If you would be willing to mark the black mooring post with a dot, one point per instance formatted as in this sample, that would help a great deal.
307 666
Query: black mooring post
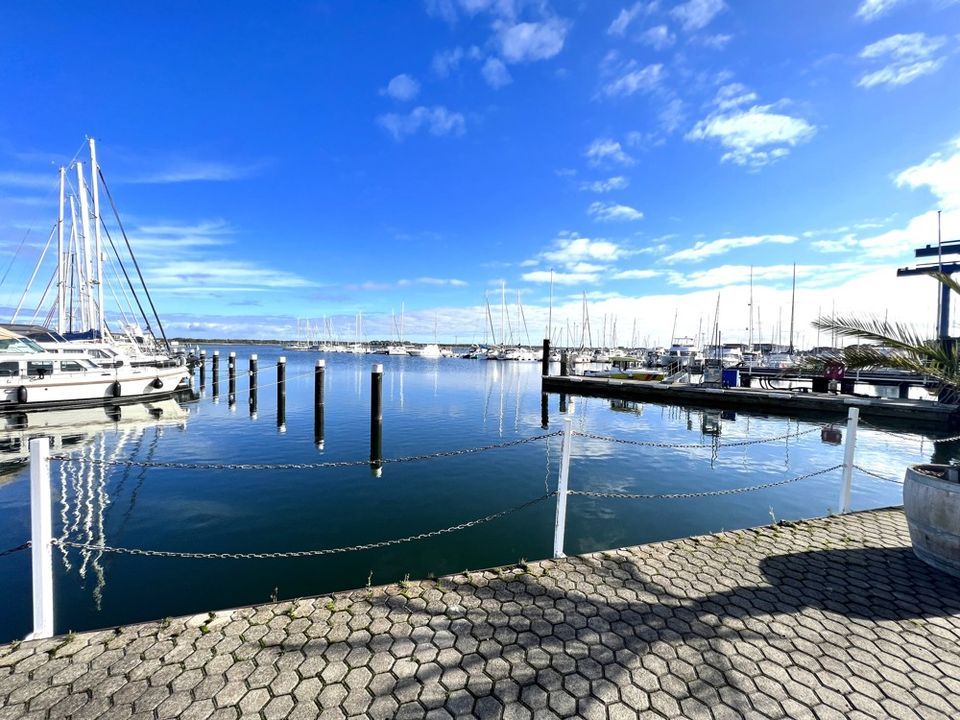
203 368
282 394
318 374
563 403
376 419
544 411
215 371
232 378
545 361
564 363
253 385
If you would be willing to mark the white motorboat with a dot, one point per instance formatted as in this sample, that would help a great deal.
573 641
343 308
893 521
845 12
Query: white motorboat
683 353
33 377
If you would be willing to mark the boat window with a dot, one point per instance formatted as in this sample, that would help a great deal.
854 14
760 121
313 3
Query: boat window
39 369
9 369
71 366
18 345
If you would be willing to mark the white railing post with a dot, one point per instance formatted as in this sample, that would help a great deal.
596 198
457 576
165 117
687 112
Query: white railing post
561 519
41 535
853 418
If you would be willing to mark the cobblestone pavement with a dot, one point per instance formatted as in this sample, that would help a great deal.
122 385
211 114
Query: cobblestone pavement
831 618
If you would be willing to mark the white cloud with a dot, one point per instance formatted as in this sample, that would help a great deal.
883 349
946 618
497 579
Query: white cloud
940 173
847 242
530 41
496 73
437 121
635 274
716 42
560 278
658 37
402 87
32 181
671 116
697 14
605 150
612 212
733 96
754 137
447 62
872 9
449 282
628 15
726 275
644 79
569 251
909 56
618 182
703 249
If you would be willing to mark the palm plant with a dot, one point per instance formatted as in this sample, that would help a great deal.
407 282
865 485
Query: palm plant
893 345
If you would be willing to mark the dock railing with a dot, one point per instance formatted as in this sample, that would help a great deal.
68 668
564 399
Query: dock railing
42 541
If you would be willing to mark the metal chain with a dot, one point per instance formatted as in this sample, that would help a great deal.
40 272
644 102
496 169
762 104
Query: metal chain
298 553
947 439
740 443
900 435
877 476
16 549
708 493
309 466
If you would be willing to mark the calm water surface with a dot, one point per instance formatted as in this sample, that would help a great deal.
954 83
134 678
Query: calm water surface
429 406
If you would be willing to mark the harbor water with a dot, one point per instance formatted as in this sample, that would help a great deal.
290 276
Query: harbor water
431 407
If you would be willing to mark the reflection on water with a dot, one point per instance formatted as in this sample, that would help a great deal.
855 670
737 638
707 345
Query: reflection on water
429 406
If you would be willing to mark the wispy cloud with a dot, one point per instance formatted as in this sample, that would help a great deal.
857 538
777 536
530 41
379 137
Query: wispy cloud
612 212
179 171
572 249
635 274
561 278
30 181
703 249
635 80
628 15
752 137
495 73
618 182
531 41
908 57
697 14
658 37
939 173
447 62
224 276
607 151
402 87
436 120
872 9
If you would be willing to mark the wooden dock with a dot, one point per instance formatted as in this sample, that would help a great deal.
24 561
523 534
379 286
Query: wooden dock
929 414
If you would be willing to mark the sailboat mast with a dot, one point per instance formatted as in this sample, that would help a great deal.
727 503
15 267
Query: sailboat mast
793 304
750 323
549 333
61 259
86 303
503 312
96 233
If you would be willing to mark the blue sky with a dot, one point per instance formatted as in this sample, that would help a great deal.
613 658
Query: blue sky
315 160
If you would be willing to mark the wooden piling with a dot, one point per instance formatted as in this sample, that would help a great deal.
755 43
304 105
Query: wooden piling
282 394
203 368
544 411
318 376
376 418
564 363
215 371
232 378
253 385
545 361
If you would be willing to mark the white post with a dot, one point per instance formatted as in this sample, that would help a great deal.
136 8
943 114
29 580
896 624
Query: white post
848 450
561 519
42 530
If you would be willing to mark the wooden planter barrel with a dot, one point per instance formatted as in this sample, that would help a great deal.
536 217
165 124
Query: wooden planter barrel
931 502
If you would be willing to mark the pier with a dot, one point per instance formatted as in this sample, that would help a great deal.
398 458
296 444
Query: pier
826 618
786 403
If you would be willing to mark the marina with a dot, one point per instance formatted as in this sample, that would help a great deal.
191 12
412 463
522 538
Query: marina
228 477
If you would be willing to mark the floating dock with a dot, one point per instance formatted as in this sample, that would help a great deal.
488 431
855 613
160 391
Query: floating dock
829 618
930 414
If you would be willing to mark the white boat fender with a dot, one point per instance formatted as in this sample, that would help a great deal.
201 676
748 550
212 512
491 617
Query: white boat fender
157 383
22 394
116 389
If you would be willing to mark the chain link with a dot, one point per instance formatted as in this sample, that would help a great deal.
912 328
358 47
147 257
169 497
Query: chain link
16 549
309 466
706 493
694 446
297 553
878 476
